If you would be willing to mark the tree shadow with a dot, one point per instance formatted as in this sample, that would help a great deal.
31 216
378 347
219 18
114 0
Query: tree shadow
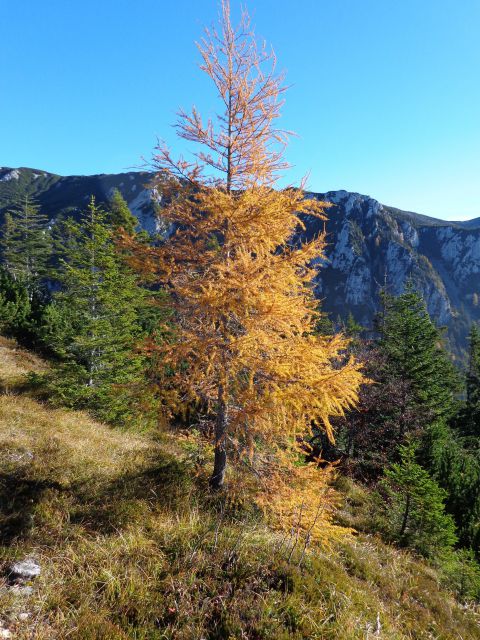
97 504
163 484
19 496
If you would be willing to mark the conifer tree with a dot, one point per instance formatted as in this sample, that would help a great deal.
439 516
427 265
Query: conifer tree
471 421
368 436
15 305
26 244
119 215
324 325
461 479
352 327
6 241
413 346
100 300
416 507
245 310
461 463
414 394
415 354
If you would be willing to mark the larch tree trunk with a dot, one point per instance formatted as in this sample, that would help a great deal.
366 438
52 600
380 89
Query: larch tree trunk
221 423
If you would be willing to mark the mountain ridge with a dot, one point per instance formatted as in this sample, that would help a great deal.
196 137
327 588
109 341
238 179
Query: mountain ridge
370 245
427 219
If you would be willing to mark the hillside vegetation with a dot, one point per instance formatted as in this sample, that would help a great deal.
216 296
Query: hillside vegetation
204 454
131 546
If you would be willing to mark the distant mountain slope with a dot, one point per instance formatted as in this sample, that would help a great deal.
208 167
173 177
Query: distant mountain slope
370 244
373 245
67 194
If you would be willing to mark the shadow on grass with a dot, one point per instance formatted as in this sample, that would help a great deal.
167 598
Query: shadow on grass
100 505
32 385
19 497
163 483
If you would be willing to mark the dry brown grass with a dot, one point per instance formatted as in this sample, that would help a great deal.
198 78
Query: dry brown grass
85 443
15 361
130 548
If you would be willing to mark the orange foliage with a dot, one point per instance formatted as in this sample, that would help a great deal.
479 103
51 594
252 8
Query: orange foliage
301 501
244 343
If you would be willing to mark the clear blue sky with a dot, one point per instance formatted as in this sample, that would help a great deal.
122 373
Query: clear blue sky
385 94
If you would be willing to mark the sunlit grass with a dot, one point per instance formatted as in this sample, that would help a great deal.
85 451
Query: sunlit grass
130 547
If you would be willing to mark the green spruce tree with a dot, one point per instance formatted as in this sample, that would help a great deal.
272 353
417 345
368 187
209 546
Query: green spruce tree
15 305
97 319
416 357
26 246
462 455
461 478
353 329
7 241
470 425
415 506
414 348
119 215
25 255
415 353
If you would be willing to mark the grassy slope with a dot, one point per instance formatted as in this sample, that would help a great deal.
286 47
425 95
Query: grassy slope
129 548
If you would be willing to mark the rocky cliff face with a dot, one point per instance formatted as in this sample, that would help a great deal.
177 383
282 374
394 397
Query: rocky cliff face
370 245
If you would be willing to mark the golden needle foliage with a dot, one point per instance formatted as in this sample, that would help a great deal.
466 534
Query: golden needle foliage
244 343
300 501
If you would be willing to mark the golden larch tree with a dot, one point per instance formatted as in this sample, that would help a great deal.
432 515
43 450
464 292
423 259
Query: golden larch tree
244 343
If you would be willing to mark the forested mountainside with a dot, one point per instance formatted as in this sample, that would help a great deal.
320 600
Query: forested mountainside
371 245
66 194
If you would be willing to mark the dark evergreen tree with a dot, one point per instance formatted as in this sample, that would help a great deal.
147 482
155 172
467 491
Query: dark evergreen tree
415 353
26 246
352 328
324 325
461 459
416 357
25 252
119 215
412 395
470 422
15 305
415 506
6 241
96 319
461 478
367 437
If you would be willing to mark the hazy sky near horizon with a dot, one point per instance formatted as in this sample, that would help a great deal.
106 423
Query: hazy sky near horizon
384 94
